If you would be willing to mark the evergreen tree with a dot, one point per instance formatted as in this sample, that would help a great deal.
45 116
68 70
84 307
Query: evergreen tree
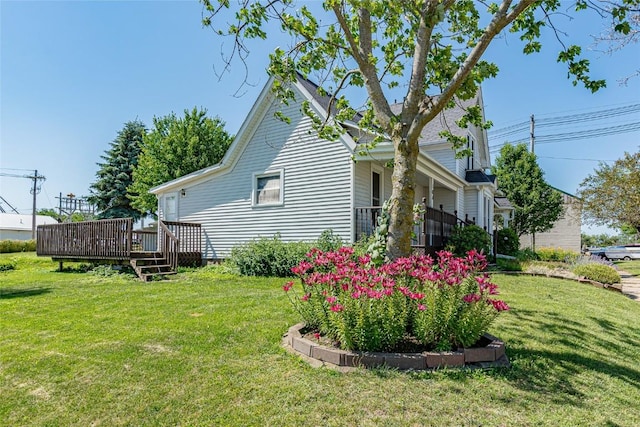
176 146
537 205
110 191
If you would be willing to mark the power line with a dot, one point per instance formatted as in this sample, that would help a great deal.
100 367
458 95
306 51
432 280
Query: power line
566 120
571 158
572 136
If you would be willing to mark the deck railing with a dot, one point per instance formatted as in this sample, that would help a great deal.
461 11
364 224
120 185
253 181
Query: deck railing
103 239
115 239
189 236
170 245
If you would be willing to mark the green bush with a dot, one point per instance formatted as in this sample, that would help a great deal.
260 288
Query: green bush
507 242
557 254
526 254
328 241
10 246
464 239
269 257
598 272
508 264
8 264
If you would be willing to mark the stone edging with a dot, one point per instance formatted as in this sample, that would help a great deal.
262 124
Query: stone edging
614 287
492 355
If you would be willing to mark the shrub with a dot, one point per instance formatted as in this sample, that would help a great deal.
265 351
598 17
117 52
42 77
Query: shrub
598 272
470 237
508 264
8 264
328 241
268 257
10 246
526 254
593 259
367 307
557 254
507 242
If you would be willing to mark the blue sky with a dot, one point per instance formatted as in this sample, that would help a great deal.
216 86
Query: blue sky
72 73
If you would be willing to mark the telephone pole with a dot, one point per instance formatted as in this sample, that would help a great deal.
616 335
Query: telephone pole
35 190
532 136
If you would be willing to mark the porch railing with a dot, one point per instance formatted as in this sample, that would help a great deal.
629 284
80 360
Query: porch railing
429 236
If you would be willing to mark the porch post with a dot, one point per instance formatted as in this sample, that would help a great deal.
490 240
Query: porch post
480 219
430 193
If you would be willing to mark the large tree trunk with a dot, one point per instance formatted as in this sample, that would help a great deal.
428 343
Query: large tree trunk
402 196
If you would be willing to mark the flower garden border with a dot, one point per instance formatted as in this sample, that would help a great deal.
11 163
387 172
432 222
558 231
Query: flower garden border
489 356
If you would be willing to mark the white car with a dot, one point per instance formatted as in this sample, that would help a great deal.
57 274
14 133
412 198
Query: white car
626 252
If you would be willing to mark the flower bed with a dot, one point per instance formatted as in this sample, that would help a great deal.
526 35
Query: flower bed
489 352
364 308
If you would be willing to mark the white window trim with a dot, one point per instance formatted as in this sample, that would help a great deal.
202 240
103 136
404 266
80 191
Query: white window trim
471 144
254 188
380 171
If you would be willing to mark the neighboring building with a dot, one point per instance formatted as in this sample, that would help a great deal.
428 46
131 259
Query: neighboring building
565 233
503 211
18 227
279 178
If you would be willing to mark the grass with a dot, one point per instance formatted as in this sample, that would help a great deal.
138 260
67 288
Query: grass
631 267
204 349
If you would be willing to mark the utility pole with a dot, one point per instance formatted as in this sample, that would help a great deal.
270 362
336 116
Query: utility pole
532 136
35 190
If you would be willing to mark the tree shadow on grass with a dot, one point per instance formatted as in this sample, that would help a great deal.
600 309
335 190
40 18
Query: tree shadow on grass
22 293
551 361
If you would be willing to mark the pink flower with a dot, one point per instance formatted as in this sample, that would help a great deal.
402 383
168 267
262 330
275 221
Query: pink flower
331 299
421 307
498 304
305 297
471 298
316 336
337 308
287 286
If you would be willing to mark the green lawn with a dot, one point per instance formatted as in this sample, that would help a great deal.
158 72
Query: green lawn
204 349
631 267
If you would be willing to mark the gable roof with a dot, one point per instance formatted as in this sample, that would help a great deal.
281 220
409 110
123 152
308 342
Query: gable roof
502 202
257 113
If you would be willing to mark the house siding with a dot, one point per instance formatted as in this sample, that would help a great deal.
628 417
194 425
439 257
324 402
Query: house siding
471 203
317 195
445 156
565 233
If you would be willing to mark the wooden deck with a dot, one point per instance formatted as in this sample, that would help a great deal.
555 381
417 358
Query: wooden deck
114 241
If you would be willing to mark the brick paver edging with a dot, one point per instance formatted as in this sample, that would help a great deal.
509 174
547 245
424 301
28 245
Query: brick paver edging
492 355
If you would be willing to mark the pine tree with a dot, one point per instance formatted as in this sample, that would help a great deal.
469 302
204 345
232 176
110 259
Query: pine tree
110 191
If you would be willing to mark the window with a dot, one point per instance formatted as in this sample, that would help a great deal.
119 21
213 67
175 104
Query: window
471 146
170 208
268 189
375 189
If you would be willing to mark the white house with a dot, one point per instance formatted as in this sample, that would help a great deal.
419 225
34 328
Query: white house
18 226
282 178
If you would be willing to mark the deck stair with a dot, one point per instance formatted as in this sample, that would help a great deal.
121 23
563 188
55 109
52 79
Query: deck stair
150 264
